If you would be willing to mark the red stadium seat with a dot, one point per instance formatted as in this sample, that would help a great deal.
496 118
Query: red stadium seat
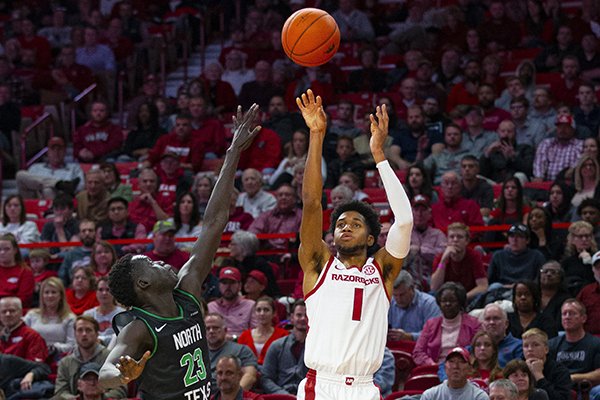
403 345
376 195
424 370
371 179
35 208
403 363
286 286
422 382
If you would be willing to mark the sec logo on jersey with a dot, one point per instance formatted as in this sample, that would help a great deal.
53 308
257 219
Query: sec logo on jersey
369 270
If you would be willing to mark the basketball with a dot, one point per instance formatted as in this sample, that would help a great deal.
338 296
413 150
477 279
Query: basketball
310 37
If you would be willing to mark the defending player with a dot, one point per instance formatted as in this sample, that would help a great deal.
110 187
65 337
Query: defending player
347 296
164 329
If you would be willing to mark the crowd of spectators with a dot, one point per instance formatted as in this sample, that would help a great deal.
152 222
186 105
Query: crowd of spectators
494 130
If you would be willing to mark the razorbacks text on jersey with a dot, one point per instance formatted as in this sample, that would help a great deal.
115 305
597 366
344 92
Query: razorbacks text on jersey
347 316
179 367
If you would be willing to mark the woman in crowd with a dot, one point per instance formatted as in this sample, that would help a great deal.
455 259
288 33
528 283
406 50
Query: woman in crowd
260 338
587 178
559 202
578 256
21 283
202 188
296 155
518 372
453 328
112 180
591 148
140 140
419 182
553 291
511 208
81 295
543 237
14 221
485 358
105 311
186 219
53 320
242 251
103 257
527 314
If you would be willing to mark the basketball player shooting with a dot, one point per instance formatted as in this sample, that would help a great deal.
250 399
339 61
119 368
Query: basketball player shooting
347 296
163 341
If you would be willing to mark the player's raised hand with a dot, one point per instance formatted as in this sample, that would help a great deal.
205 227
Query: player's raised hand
131 369
244 127
312 112
379 130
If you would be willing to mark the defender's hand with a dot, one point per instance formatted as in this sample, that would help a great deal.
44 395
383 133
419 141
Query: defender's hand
379 129
244 127
312 111
131 369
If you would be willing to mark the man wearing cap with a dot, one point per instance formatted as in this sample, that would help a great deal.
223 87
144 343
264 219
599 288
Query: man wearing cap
517 262
165 249
44 179
410 308
87 384
180 142
236 310
577 349
555 154
459 263
457 386
476 138
415 143
589 296
425 241
98 138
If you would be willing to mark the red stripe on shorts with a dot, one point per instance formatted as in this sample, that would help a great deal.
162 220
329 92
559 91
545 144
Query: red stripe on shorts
309 387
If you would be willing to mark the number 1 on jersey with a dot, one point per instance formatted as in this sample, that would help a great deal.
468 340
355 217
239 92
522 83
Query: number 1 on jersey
358 303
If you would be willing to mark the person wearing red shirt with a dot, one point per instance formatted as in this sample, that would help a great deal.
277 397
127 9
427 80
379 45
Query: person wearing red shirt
459 263
81 296
566 89
465 92
207 131
164 246
453 207
98 137
29 40
148 207
180 142
264 152
220 93
238 218
17 338
172 177
16 279
589 295
492 115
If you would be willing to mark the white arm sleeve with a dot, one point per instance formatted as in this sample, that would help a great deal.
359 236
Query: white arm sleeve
398 239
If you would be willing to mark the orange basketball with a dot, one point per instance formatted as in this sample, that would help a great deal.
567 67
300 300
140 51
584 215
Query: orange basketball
310 37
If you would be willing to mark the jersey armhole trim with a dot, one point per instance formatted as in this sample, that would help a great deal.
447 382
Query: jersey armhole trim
321 278
191 296
154 338
380 270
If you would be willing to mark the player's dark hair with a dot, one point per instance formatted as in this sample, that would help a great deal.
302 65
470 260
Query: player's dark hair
366 210
121 283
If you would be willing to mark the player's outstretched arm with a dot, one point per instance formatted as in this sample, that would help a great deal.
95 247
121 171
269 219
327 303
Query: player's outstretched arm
127 359
313 252
216 215
397 244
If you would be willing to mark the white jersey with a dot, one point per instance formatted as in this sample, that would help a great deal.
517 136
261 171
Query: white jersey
347 317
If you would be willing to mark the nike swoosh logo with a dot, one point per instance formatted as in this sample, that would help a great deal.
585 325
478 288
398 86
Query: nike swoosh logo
160 329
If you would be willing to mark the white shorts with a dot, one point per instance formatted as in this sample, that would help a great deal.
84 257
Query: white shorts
324 386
